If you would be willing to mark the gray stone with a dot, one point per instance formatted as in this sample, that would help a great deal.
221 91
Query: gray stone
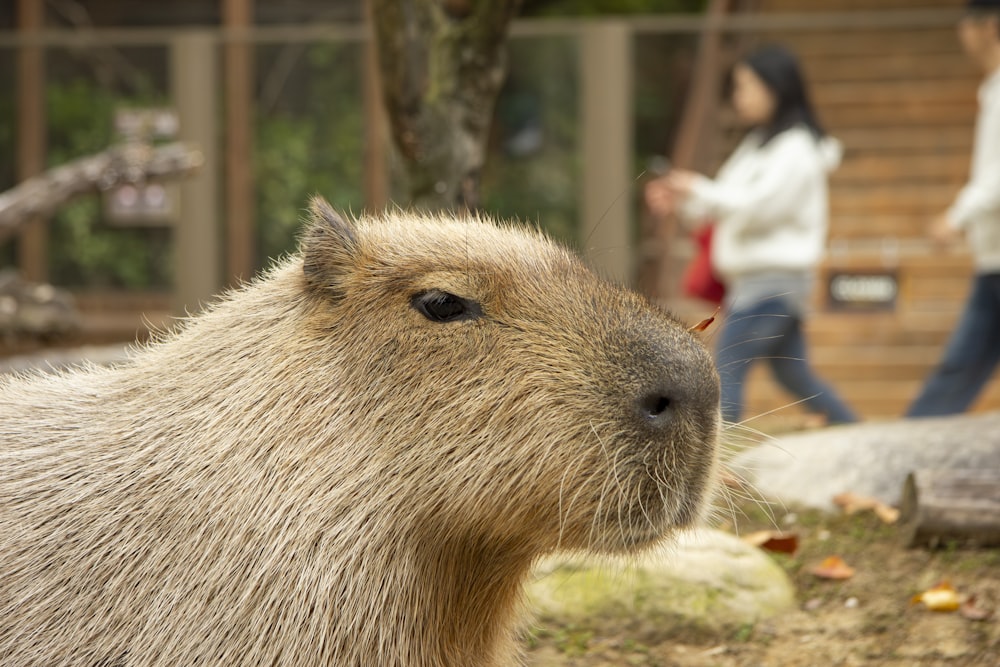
708 581
870 458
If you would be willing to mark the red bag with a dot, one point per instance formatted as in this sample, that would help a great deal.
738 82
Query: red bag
699 279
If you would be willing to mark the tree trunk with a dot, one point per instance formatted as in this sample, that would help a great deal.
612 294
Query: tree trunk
951 505
442 64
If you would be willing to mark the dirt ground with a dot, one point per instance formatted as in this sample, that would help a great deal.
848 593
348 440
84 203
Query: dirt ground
869 619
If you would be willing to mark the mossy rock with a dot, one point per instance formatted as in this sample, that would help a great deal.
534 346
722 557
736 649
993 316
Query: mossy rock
706 583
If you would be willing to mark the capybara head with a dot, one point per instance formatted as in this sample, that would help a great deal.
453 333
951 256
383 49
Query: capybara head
353 460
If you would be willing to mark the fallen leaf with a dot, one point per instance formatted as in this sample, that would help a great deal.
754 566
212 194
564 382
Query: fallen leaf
852 504
974 612
885 513
705 323
774 540
942 597
832 567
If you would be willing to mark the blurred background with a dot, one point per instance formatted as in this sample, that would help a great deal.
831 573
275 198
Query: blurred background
248 107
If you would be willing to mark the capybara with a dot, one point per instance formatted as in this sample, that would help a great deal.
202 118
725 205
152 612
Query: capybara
353 460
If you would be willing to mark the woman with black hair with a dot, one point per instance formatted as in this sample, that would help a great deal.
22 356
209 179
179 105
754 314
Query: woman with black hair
769 205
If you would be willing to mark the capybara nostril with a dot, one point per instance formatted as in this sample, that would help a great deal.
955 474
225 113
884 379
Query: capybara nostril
657 408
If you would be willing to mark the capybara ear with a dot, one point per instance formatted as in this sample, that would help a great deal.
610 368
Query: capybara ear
329 246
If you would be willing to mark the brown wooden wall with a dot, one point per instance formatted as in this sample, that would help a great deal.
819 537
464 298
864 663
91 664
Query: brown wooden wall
903 101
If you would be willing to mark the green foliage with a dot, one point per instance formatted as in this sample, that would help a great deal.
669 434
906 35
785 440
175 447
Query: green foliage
661 67
543 88
83 249
310 140
85 252
744 633
537 186
283 151
570 640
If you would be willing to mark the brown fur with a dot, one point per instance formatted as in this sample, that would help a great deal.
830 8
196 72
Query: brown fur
314 473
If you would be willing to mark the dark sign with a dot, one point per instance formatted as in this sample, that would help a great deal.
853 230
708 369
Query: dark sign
862 290
141 203
138 204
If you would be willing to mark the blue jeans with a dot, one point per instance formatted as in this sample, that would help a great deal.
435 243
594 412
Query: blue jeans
970 357
771 331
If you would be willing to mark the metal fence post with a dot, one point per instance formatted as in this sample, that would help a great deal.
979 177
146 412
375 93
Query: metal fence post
606 113
240 209
195 89
32 256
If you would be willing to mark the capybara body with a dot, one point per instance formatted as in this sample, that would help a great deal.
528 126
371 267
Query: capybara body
353 460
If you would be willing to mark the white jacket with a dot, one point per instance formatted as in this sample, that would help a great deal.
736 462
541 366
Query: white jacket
977 208
769 202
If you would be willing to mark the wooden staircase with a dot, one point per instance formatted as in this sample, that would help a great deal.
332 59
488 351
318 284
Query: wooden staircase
902 99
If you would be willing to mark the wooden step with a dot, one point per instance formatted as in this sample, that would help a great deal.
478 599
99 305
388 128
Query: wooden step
828 329
948 139
860 113
920 259
875 42
895 199
874 170
905 65
869 225
895 363
911 115
899 92
881 338
872 399
788 6
881 330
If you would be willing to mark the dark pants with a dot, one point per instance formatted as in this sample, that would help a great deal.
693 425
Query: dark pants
970 357
771 332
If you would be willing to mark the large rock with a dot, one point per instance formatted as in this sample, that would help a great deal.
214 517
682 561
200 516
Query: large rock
708 582
870 459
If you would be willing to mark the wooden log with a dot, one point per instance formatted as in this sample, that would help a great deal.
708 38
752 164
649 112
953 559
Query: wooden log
132 162
951 506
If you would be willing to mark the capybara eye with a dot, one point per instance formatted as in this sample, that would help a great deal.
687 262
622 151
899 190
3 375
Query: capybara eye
438 306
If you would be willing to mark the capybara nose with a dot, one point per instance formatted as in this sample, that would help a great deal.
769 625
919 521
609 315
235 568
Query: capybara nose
675 385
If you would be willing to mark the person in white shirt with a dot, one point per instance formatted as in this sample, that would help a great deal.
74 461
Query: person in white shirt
973 351
769 204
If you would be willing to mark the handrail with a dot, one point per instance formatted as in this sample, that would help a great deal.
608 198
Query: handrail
549 27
